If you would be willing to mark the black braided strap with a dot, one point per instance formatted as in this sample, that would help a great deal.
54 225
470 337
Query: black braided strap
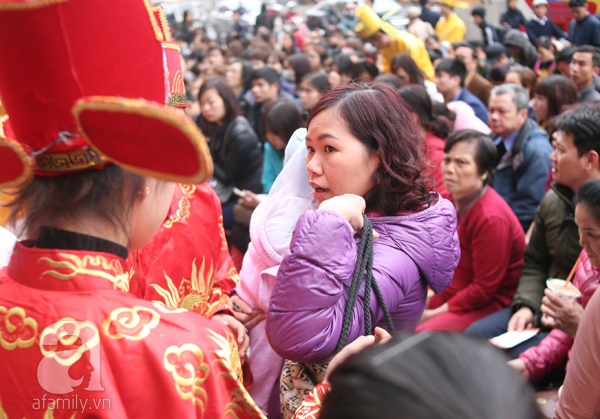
364 262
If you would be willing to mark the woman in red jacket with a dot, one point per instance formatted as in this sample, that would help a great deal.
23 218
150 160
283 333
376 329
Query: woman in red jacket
491 239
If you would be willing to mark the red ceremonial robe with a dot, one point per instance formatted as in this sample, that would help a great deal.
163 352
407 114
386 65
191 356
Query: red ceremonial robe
187 262
73 344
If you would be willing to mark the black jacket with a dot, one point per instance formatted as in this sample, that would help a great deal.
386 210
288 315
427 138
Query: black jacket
237 155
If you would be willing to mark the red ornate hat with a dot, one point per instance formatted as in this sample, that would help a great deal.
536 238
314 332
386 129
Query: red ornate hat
86 82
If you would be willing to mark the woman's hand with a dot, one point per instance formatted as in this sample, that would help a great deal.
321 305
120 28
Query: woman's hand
249 200
566 313
238 329
381 336
520 366
349 206
244 313
430 314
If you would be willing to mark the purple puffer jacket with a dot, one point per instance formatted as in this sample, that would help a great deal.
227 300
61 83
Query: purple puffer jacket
307 305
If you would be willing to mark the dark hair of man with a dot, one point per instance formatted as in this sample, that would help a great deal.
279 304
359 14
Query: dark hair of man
498 73
318 80
577 3
344 64
365 66
467 45
300 64
232 107
566 55
423 3
282 119
247 71
438 121
269 74
588 196
584 123
407 63
108 194
429 376
486 155
259 54
435 38
592 50
478 11
453 67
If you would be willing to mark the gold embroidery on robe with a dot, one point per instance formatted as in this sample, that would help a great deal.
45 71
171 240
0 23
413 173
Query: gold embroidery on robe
166 309
183 213
134 323
68 331
79 266
228 359
187 366
3 414
193 294
16 329
222 233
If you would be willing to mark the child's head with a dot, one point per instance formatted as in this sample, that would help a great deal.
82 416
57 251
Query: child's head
280 121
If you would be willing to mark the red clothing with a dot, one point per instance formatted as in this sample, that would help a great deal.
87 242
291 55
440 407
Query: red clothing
552 352
187 262
492 243
435 153
141 359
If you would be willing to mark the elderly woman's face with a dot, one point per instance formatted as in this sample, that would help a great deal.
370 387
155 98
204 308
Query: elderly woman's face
589 233
459 170
337 163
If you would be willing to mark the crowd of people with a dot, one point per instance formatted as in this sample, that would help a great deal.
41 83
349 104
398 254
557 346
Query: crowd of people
336 180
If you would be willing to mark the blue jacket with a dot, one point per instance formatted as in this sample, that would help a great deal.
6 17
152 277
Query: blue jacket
512 18
522 172
585 32
549 29
474 102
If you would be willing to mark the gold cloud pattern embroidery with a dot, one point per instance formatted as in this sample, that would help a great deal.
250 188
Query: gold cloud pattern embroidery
186 365
183 213
134 323
16 329
81 266
66 333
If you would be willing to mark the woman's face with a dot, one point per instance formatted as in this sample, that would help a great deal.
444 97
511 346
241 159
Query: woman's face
313 59
309 96
545 54
337 163
589 233
459 170
212 106
513 78
403 75
287 42
274 62
215 58
234 75
150 211
540 107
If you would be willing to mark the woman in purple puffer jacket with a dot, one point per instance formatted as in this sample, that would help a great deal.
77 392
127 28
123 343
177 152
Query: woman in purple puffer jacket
365 154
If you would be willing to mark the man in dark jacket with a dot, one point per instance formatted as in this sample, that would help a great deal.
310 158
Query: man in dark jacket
585 65
488 32
584 29
520 48
512 17
540 25
523 152
450 75
428 15
554 244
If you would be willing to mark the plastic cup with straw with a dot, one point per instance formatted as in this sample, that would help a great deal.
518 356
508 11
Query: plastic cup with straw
565 289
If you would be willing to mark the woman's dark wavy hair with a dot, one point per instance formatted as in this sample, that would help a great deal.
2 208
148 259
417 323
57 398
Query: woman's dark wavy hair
437 119
377 117
247 71
232 107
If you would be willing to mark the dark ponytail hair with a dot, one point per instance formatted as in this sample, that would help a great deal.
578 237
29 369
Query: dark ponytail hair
438 119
